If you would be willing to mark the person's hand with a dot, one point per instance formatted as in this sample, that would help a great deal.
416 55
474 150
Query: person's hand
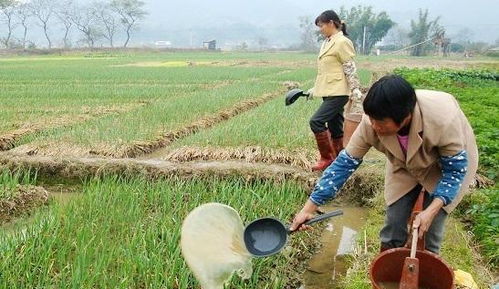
310 93
299 219
423 222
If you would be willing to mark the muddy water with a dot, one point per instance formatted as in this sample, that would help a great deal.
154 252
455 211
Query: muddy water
64 197
15 225
338 240
59 194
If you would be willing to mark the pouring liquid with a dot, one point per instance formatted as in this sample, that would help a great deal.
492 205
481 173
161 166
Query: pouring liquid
213 247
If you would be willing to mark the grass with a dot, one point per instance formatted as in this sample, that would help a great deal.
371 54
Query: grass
480 213
39 89
125 234
10 180
95 102
272 125
149 122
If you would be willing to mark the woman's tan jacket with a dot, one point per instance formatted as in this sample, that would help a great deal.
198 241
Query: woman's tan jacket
438 128
331 79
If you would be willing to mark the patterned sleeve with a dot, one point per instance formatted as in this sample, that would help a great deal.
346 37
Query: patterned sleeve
334 177
454 170
350 70
353 110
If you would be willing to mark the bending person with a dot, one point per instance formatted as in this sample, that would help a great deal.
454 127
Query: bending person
428 143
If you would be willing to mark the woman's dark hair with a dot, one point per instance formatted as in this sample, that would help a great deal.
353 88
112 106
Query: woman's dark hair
330 15
390 97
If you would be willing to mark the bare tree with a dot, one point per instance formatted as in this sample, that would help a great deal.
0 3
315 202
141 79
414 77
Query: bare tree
8 11
262 42
85 19
108 19
130 12
64 15
308 36
43 11
23 14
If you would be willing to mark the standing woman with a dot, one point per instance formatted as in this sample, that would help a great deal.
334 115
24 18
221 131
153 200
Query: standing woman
337 83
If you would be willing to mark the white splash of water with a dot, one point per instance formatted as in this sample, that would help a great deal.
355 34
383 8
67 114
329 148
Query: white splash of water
213 247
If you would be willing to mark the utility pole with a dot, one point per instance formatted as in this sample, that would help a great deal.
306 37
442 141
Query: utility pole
364 41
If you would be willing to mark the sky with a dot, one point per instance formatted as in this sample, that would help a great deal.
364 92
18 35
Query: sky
277 20
188 23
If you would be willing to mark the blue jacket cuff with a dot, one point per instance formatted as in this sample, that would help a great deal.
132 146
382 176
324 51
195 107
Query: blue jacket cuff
334 177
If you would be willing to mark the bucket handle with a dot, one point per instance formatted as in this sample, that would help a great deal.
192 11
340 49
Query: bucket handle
414 242
418 207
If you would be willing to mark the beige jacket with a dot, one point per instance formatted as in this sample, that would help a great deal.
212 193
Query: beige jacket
438 128
330 79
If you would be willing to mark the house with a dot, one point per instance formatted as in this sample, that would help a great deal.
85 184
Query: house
210 45
162 44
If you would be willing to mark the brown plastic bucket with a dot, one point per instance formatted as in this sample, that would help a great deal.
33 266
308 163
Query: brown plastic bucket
434 273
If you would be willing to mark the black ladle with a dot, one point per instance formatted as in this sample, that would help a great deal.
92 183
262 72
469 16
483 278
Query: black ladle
268 236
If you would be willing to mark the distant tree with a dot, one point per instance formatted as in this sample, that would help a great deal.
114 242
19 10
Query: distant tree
109 21
397 37
8 10
43 11
422 32
130 13
365 27
456 48
243 46
308 34
262 42
23 14
442 43
85 20
477 47
64 14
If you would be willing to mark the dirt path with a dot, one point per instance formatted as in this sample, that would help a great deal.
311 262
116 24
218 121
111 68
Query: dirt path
302 159
81 168
386 65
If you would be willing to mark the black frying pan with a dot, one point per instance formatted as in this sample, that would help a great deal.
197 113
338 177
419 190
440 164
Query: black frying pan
268 236
293 95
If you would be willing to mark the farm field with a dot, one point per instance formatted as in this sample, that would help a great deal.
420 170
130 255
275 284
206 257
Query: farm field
126 134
